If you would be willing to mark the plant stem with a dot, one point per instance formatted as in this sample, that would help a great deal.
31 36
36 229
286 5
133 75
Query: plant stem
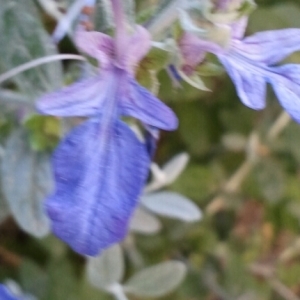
233 184
165 18
117 291
38 62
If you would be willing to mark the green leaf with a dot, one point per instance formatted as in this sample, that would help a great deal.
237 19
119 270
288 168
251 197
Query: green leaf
157 59
22 39
156 281
26 180
233 12
209 69
106 269
44 132
104 20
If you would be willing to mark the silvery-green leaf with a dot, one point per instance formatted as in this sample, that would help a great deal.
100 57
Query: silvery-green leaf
103 16
172 205
144 222
208 69
129 8
26 180
107 269
188 24
12 96
164 17
174 167
145 14
233 13
194 80
22 39
156 281
51 7
104 19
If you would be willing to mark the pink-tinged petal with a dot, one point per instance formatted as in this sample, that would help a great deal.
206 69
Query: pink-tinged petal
270 47
97 45
222 4
238 28
138 46
100 170
83 98
251 87
192 53
139 103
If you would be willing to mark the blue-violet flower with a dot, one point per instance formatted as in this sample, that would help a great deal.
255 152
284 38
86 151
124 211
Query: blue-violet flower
251 63
100 167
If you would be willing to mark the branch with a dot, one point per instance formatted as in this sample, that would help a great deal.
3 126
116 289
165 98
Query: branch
253 152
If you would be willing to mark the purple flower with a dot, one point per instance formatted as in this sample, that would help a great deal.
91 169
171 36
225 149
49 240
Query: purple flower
251 63
100 167
5 294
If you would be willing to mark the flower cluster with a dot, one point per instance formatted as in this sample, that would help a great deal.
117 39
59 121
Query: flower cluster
101 166
251 62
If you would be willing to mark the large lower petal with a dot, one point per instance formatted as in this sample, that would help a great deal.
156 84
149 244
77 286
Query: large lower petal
100 171
270 47
83 98
250 86
139 103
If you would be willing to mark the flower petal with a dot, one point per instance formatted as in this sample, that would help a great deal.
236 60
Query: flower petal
287 88
251 87
98 182
138 46
238 28
270 47
289 71
194 48
139 103
96 44
5 294
83 98
192 53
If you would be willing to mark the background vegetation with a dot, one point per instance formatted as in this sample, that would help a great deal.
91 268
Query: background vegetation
244 174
